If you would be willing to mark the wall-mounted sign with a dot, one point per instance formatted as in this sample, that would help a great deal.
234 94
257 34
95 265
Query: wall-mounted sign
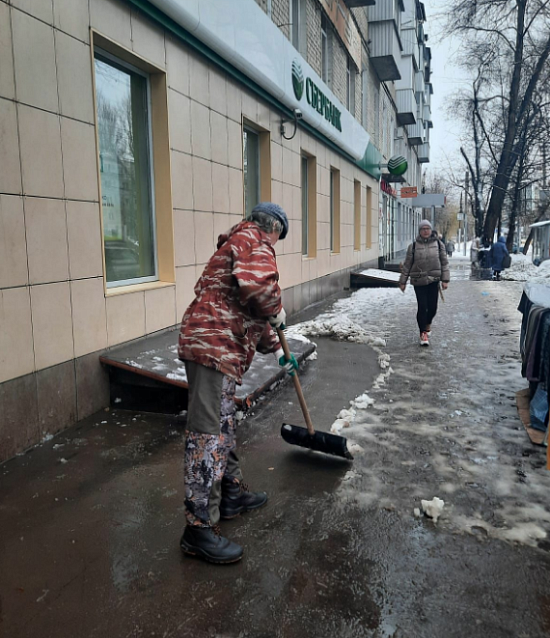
314 96
256 47
297 79
397 165
386 188
408 191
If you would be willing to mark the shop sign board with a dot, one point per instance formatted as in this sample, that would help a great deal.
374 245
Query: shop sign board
408 191
276 66
386 188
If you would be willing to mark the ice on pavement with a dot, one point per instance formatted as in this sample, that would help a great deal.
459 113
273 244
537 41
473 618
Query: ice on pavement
351 320
472 459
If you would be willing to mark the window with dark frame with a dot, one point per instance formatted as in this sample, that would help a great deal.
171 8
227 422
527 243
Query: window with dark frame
295 24
251 169
305 207
353 76
324 49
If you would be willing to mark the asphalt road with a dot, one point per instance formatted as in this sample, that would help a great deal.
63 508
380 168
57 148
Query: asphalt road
90 528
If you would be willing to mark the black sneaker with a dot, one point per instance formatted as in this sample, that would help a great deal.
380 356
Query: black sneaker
208 543
237 499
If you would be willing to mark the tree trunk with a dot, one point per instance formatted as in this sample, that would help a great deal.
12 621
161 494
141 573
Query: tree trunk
506 161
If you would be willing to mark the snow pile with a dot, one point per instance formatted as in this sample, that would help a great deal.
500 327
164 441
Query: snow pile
522 269
346 417
433 508
340 327
362 402
346 319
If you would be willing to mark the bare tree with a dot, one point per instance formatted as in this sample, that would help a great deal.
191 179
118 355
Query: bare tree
516 36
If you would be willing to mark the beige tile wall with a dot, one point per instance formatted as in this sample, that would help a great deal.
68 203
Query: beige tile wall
53 303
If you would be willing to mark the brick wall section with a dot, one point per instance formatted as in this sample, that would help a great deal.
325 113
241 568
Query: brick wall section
361 21
280 14
313 13
372 83
338 70
358 106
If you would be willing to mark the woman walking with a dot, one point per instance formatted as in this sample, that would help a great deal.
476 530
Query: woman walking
498 253
427 265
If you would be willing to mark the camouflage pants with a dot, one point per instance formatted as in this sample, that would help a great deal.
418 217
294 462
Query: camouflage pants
210 443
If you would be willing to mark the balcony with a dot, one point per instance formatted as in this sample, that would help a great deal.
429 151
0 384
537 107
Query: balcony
406 107
385 10
407 73
408 39
427 115
420 85
385 50
424 153
351 4
416 134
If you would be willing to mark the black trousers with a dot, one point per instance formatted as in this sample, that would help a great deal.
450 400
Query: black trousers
426 296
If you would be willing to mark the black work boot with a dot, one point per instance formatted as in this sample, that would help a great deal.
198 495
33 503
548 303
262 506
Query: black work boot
236 498
208 543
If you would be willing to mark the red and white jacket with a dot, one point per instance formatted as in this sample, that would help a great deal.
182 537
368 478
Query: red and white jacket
236 293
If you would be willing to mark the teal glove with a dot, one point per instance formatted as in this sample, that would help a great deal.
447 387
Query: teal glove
290 366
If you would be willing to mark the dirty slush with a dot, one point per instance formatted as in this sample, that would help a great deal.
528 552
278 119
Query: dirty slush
90 520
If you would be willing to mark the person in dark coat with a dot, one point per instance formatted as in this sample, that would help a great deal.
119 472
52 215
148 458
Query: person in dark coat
498 251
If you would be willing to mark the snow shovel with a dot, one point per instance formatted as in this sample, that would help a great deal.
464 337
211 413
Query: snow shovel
309 438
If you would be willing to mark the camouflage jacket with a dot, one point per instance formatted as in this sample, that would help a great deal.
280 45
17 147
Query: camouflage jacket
236 293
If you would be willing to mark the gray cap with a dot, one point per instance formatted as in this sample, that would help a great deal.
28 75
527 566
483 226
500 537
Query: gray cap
423 223
269 208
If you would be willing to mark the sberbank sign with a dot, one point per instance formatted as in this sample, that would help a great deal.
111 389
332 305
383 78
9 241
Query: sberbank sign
314 96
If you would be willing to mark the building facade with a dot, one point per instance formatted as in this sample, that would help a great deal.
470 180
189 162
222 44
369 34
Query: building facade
134 132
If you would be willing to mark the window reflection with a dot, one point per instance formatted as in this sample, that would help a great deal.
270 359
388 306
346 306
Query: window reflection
125 170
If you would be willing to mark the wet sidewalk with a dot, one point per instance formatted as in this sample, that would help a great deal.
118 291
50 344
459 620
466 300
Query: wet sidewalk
91 519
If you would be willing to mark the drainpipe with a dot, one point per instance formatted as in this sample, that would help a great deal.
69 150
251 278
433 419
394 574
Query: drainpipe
269 8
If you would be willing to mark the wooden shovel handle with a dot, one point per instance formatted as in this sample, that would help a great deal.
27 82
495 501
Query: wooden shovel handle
297 385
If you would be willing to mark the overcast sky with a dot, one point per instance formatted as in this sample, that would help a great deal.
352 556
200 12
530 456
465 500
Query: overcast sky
446 78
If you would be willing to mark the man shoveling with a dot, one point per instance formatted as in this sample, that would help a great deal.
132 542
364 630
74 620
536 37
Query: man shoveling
237 305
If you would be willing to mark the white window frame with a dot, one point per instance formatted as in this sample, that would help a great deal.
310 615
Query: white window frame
297 21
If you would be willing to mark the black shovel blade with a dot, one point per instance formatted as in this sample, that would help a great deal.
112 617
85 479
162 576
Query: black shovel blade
318 442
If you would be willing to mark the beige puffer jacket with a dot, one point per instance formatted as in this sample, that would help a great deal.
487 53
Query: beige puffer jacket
428 264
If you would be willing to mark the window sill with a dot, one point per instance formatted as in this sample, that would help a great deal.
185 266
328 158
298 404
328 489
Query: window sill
124 290
308 258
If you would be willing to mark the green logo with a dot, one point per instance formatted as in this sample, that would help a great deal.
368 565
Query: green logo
397 165
297 79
